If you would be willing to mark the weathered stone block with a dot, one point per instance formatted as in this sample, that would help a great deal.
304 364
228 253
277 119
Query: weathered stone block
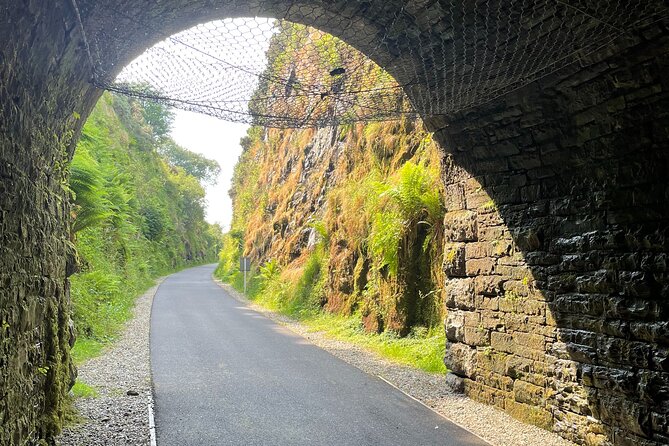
619 380
527 239
454 260
459 293
479 266
502 342
492 233
655 332
495 380
625 413
487 303
461 359
528 393
578 303
634 308
489 359
529 414
472 318
460 226
486 394
455 383
623 352
478 250
454 324
598 282
532 341
477 336
454 197
653 387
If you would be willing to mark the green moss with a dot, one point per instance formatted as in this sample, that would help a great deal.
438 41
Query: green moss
489 206
83 390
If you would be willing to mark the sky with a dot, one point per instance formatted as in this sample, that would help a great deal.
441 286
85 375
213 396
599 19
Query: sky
217 140
201 58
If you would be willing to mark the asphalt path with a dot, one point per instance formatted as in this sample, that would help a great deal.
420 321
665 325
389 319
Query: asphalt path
225 375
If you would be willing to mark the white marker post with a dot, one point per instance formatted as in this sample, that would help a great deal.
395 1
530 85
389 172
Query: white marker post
245 265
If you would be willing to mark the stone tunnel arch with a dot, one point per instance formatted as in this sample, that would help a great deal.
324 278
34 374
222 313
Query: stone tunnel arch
557 192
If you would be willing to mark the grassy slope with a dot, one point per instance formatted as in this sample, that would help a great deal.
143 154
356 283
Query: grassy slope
122 253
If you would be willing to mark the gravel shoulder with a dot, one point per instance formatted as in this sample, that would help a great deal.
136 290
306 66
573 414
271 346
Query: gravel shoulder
489 423
122 378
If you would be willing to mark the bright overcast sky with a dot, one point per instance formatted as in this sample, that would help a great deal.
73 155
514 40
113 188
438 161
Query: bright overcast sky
204 56
217 140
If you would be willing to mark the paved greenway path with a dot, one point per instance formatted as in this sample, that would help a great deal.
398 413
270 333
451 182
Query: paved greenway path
225 375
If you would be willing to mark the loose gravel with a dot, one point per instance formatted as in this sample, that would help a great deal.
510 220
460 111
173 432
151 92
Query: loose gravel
489 423
122 378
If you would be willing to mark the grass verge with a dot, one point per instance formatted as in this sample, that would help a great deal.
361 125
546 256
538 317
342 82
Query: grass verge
423 349
83 390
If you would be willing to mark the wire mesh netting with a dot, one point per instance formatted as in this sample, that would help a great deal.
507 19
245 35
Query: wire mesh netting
454 55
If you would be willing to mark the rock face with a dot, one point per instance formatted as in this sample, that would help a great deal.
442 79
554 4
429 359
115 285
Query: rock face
312 200
557 197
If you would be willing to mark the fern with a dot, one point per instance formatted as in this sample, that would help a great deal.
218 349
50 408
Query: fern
86 183
384 241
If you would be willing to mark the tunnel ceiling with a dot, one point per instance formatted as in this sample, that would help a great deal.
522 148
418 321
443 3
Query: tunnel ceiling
470 52
454 55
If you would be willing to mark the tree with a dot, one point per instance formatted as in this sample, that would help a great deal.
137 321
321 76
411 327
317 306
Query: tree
204 169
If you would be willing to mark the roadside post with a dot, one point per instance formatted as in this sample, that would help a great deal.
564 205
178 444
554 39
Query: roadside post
245 265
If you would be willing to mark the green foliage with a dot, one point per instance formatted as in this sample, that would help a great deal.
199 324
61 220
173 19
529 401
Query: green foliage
85 349
136 218
154 222
416 192
194 164
83 390
154 116
322 230
158 116
269 271
90 205
229 255
384 240
423 349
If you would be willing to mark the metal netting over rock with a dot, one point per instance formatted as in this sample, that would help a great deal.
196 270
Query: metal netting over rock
451 56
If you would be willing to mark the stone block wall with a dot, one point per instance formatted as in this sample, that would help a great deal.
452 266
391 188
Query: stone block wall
557 242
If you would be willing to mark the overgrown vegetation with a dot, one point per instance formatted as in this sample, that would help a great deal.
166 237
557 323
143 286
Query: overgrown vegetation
344 226
138 214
